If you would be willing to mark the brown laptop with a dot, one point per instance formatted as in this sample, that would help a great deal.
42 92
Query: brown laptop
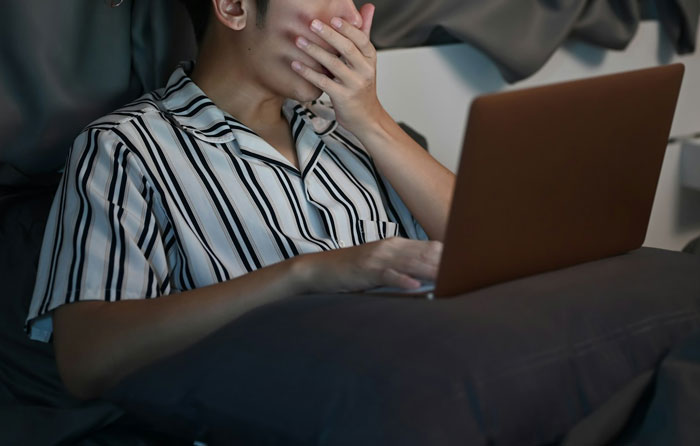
555 176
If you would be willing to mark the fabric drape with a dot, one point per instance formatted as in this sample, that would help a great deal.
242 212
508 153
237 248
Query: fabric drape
520 36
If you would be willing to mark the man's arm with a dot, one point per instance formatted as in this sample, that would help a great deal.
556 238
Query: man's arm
424 185
99 343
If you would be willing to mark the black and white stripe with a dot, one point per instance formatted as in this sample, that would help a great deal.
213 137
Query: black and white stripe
170 193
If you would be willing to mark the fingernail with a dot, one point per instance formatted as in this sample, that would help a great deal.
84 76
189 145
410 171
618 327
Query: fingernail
302 42
336 22
316 25
296 66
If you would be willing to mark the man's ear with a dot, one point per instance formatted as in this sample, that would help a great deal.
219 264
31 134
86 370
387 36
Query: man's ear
232 14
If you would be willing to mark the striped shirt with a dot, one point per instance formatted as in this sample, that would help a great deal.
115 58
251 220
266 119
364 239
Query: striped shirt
170 193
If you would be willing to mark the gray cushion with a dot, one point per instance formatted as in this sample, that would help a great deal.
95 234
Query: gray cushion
520 362
658 407
35 408
65 64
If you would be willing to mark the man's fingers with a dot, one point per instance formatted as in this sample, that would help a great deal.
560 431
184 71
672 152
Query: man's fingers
367 13
332 63
322 81
391 277
420 268
349 41
433 252
415 258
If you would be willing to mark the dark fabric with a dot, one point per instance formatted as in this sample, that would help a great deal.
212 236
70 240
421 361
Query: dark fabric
693 246
35 408
608 421
517 363
520 36
673 413
680 20
65 64
657 407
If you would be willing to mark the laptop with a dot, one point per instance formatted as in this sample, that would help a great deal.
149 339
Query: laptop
554 176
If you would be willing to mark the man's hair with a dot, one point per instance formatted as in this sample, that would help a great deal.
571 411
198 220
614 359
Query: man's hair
200 13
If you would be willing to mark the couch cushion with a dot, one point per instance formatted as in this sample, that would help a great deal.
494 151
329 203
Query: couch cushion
35 408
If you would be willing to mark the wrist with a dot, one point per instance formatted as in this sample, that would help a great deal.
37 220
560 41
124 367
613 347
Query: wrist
369 121
303 273
377 131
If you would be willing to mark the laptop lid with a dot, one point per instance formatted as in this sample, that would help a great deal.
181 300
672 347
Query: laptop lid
557 175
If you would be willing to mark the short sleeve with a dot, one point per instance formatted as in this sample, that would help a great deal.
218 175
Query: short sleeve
102 239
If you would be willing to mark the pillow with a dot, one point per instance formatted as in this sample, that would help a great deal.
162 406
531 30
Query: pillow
35 407
519 362
693 246
659 406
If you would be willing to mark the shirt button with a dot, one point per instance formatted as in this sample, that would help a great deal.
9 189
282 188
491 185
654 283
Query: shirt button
341 244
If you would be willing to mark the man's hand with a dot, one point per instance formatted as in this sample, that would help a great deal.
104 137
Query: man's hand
353 90
395 261
424 185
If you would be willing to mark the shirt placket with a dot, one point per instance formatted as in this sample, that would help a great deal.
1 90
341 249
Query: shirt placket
310 148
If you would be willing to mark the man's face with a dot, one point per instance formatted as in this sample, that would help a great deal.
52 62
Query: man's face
272 48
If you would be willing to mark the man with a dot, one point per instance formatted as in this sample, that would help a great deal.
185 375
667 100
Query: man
231 188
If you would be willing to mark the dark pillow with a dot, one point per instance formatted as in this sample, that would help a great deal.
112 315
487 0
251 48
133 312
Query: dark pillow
658 407
516 363
35 408
693 246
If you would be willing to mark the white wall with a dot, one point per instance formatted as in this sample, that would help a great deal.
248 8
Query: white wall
431 89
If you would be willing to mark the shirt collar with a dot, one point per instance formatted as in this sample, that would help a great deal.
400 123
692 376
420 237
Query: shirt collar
196 114
192 110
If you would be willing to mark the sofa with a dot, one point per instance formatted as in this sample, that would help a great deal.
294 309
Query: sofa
597 353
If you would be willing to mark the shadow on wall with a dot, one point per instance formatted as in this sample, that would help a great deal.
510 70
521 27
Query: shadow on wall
470 64
665 51
693 247
688 216
587 54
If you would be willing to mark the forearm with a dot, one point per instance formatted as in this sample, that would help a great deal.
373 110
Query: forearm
424 185
99 343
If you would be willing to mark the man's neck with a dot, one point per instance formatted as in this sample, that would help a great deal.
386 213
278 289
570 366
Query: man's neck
233 89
